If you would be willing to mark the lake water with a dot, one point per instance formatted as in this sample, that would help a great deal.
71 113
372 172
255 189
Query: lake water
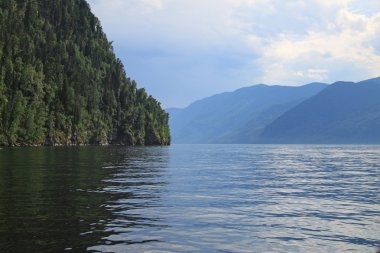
190 198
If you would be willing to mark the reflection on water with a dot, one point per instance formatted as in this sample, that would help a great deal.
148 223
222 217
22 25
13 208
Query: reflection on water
190 198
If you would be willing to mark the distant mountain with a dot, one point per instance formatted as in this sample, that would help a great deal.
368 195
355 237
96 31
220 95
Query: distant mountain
345 113
236 117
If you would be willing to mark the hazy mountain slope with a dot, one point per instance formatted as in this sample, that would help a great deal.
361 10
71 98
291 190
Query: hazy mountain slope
235 117
342 113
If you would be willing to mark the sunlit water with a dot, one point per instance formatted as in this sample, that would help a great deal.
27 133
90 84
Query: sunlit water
190 198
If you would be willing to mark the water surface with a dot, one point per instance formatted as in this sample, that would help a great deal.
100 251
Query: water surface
190 198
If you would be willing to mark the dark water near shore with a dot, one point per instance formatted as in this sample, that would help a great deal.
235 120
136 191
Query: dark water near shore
190 198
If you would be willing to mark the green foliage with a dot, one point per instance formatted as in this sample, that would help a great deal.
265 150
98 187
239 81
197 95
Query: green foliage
61 84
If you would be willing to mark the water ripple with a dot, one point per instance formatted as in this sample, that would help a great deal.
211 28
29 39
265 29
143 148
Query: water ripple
216 198
191 198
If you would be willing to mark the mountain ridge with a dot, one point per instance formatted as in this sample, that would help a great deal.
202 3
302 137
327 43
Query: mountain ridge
343 113
216 119
316 113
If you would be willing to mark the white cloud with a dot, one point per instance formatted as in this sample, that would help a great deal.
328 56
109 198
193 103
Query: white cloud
335 41
192 48
117 7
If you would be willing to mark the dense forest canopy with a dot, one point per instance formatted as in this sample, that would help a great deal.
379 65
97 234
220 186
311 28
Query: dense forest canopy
61 84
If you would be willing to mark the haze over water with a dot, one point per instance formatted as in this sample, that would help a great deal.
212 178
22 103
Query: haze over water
190 198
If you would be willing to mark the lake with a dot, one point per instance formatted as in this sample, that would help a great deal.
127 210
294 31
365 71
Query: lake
190 198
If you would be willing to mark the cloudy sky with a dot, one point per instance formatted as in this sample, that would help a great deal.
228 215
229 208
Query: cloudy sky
183 50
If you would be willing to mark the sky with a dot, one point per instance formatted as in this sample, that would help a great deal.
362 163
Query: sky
184 50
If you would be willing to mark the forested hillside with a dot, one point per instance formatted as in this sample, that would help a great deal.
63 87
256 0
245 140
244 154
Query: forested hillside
61 84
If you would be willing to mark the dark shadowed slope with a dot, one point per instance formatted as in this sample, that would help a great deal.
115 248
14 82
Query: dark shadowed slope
236 117
344 112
